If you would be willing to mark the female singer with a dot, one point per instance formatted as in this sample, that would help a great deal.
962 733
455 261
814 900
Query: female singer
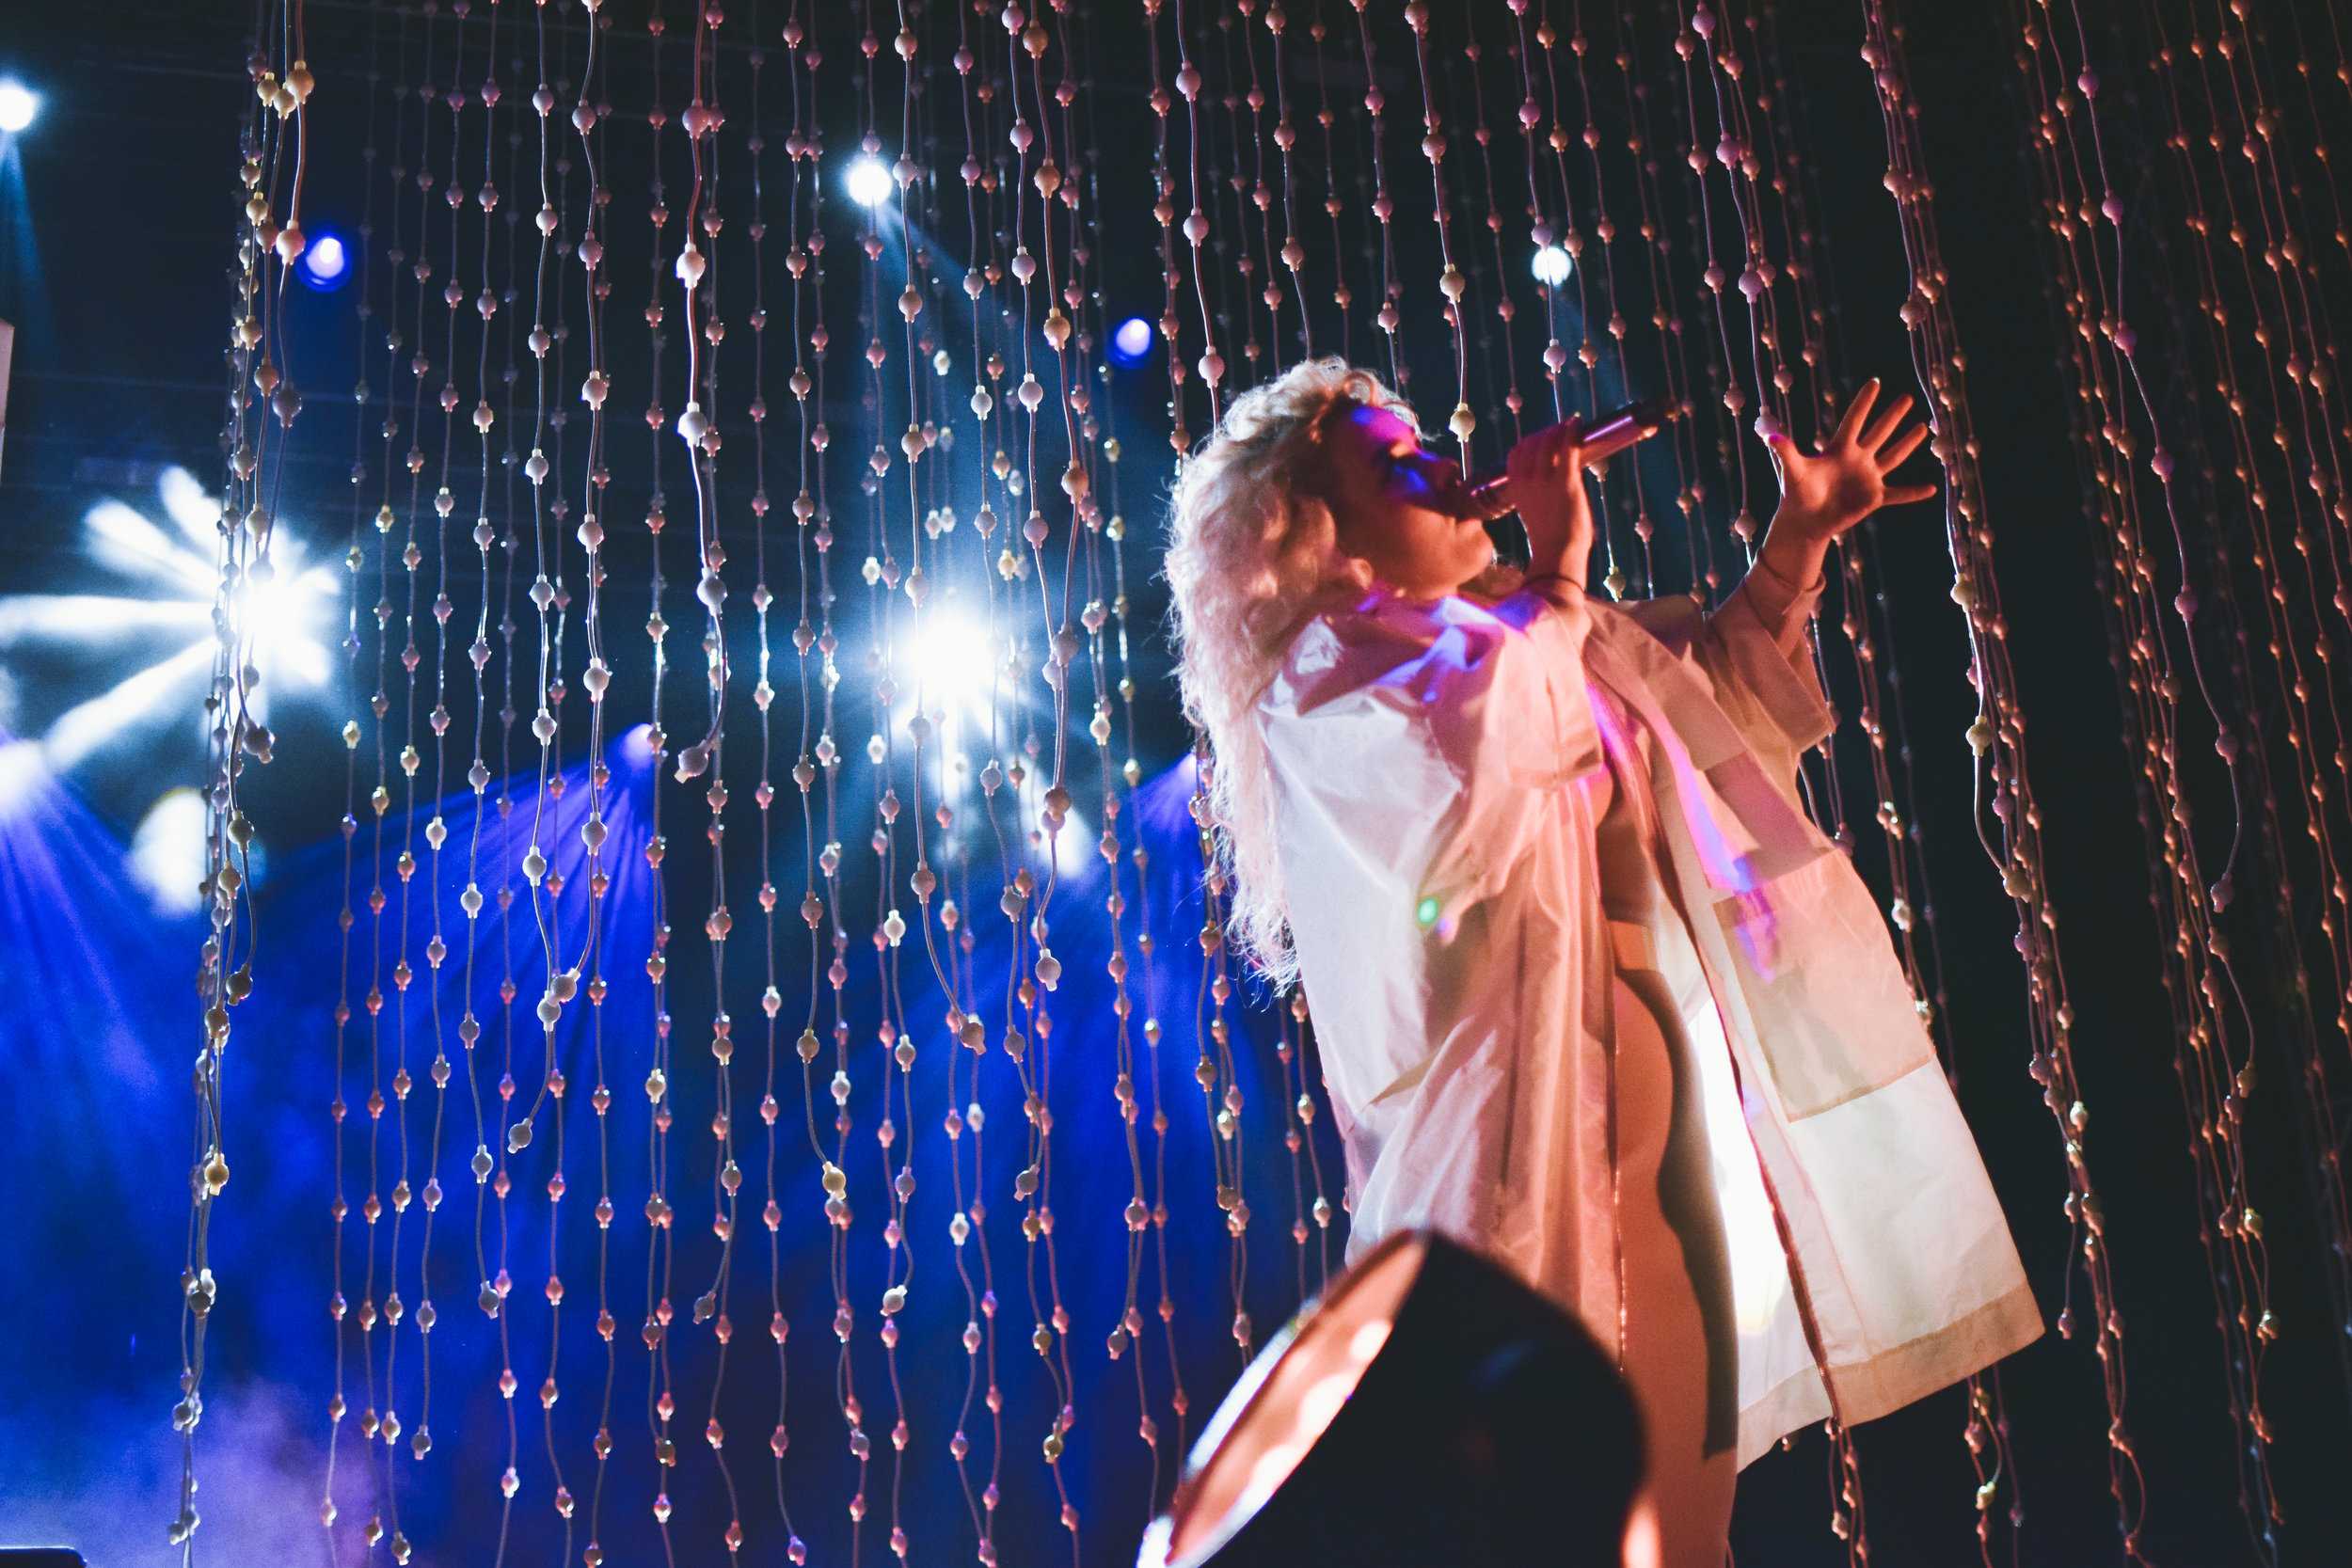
1592 993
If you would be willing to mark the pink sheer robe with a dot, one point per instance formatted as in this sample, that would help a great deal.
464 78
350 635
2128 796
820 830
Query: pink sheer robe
1441 768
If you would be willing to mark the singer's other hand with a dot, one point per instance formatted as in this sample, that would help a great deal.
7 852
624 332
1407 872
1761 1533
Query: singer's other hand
1546 479
1845 479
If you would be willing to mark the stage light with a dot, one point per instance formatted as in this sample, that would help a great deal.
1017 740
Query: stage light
1552 265
164 614
1132 342
869 180
194 511
23 772
283 612
1414 1414
168 852
326 264
122 539
957 665
19 106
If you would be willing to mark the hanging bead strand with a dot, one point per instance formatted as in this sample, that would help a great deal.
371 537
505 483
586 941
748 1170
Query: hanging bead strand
1998 731
355 560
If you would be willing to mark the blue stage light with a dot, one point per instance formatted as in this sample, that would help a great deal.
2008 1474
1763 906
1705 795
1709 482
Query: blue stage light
1131 344
325 262
19 107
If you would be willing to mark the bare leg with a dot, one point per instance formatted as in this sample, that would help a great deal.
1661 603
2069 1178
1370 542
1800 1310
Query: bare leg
1679 1344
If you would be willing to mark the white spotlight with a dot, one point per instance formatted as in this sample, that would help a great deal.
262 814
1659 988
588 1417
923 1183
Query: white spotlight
24 773
281 615
869 181
958 665
1552 265
168 852
19 105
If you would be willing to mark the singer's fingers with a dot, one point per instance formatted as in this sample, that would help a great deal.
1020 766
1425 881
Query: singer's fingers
1904 495
1571 447
1530 458
1905 446
1568 462
1889 419
1544 452
1856 412
1547 454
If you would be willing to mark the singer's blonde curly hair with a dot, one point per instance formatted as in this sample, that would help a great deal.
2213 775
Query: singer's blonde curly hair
1253 554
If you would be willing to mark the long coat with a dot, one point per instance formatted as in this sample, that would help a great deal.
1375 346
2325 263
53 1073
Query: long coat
1436 831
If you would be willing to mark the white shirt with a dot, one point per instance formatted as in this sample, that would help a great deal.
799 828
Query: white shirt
1438 850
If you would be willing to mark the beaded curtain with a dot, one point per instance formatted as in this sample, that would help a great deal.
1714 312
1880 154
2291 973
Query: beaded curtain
747 810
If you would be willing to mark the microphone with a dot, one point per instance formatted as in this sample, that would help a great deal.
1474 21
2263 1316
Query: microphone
1487 498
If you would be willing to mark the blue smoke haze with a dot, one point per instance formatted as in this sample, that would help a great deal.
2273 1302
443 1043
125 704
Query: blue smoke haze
100 1029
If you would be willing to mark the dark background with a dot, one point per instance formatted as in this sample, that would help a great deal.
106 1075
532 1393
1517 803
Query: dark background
118 212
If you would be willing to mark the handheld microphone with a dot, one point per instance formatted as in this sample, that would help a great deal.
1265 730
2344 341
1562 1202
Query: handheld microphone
1487 498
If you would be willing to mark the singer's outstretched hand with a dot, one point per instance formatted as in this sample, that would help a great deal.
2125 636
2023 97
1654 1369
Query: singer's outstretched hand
1827 491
